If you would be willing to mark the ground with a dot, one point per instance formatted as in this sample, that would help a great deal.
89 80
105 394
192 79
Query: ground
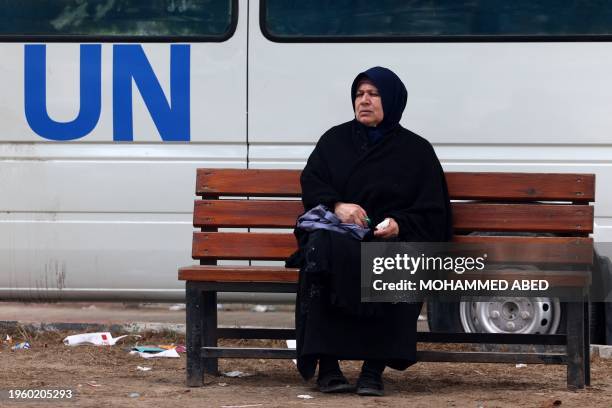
108 377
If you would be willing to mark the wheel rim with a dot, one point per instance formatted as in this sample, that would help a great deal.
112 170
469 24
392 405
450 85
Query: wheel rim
511 315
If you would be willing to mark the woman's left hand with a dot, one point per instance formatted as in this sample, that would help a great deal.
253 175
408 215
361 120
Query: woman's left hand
391 231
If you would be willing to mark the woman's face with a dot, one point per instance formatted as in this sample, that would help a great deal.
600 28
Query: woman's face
368 104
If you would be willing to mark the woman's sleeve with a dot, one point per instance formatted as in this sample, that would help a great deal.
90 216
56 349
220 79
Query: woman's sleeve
316 180
429 218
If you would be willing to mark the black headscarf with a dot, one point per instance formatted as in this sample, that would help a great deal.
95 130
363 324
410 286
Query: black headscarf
393 95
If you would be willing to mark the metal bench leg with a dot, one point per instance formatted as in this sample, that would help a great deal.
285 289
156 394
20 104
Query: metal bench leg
193 334
587 342
575 345
210 334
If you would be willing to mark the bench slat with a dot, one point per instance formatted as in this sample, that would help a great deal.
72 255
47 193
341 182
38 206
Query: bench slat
461 185
246 245
242 182
279 274
521 186
221 273
523 217
268 246
246 213
561 250
466 216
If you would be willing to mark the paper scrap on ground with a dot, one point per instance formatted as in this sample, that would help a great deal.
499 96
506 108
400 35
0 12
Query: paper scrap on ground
263 308
97 339
305 396
139 368
166 353
21 346
521 365
236 374
292 344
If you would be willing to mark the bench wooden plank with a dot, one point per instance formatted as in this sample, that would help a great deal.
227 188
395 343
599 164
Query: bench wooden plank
523 217
521 186
242 182
461 185
246 213
466 216
560 250
250 274
246 245
221 273
271 246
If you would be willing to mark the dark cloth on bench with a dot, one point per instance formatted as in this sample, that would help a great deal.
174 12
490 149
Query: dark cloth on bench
320 217
398 177
330 320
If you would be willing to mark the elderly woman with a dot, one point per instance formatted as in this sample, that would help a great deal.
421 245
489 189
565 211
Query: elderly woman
365 171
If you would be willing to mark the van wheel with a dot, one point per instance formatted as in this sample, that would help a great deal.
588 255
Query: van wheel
511 315
497 315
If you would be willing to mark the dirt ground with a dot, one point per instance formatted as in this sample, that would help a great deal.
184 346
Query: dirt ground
108 377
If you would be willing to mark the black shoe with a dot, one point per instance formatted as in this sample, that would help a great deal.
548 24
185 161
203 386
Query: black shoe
370 385
334 382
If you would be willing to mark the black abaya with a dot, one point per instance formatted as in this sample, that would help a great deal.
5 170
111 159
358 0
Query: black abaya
398 177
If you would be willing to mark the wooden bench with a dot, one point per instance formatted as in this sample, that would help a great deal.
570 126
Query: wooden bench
269 199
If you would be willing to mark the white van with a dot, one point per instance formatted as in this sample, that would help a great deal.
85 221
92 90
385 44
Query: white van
109 107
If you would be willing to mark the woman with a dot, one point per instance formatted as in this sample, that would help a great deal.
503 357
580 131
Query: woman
366 171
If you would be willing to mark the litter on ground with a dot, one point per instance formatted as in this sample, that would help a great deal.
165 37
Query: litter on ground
162 354
96 339
236 374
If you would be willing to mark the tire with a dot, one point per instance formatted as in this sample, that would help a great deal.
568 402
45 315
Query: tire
443 317
544 316
446 317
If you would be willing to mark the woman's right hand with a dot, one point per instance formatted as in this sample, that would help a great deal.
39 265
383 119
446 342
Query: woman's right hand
351 214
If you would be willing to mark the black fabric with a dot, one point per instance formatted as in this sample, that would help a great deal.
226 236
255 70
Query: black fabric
373 368
399 177
328 365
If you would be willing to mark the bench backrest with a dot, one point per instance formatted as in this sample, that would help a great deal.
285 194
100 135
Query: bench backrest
267 203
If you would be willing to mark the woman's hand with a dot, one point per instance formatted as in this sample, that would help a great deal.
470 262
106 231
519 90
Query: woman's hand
351 214
392 230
